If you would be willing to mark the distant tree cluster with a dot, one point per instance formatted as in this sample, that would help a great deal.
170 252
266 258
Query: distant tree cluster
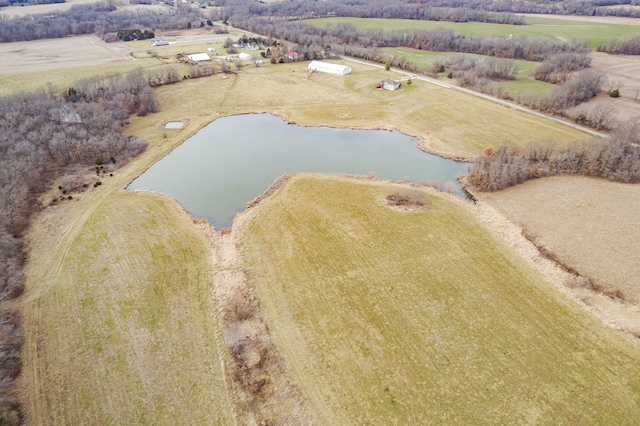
560 67
97 18
622 47
617 158
437 40
471 71
239 10
130 35
43 134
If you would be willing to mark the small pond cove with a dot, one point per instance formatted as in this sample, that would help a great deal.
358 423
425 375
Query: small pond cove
231 161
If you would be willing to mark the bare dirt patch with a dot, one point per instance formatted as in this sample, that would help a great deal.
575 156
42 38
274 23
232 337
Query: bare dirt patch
619 69
35 9
39 55
588 227
594 19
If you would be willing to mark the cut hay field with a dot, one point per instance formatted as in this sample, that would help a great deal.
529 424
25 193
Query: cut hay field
596 32
396 317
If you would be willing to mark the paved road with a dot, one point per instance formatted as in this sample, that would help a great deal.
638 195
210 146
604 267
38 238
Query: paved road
482 95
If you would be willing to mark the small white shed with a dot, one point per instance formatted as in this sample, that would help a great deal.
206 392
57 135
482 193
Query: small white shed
329 67
245 56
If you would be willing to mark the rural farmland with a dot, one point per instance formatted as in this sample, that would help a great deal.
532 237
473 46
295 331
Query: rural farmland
323 303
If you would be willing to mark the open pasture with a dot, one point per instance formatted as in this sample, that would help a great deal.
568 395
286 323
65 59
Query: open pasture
596 32
408 317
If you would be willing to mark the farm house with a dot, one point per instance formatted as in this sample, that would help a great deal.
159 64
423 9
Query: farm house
329 68
388 84
245 56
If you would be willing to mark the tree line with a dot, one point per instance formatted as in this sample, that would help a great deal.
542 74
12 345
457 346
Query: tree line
101 19
45 134
617 159
500 12
240 10
616 46
436 40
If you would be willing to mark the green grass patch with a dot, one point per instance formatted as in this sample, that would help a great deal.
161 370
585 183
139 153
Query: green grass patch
126 324
394 317
556 29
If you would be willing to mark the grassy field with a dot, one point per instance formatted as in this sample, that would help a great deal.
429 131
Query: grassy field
395 317
120 326
119 322
427 111
596 32
523 82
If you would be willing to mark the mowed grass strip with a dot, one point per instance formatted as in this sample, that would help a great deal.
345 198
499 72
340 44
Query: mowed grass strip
120 325
557 29
395 317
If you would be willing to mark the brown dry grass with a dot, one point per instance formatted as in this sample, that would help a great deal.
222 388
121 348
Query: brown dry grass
627 70
587 224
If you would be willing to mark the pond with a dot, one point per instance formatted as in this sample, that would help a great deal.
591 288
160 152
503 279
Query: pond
173 125
228 163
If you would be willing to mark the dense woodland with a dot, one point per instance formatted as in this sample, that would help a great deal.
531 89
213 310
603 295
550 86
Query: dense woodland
47 134
617 159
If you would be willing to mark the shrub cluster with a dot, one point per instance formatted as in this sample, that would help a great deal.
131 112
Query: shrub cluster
617 159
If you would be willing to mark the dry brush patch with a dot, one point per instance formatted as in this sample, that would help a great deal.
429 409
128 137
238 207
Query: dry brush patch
266 395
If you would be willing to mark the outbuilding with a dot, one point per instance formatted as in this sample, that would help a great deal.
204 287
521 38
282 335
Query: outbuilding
199 57
245 56
329 67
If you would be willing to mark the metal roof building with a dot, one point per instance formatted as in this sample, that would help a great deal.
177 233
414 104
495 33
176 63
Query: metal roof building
329 67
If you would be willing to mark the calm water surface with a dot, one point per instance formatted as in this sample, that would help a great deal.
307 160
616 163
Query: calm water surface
215 173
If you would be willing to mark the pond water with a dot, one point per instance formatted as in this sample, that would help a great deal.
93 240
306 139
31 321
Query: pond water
173 125
228 163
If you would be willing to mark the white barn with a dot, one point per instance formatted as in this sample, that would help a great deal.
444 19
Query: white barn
199 57
329 67
245 56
